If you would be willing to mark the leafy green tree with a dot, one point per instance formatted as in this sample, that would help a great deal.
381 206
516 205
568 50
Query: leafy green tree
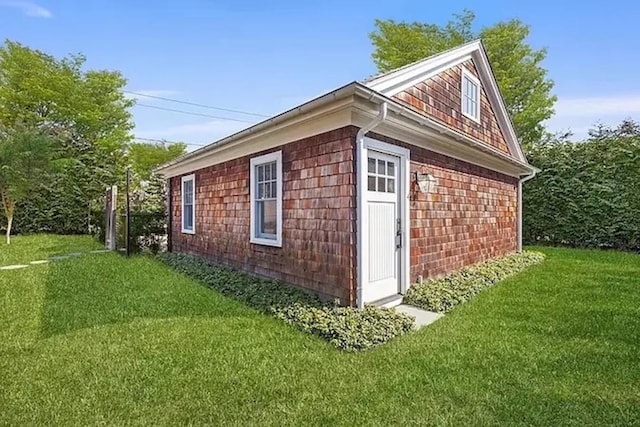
89 115
145 157
25 158
517 66
147 187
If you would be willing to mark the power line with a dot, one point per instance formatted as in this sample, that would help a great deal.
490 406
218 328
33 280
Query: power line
194 114
168 141
195 104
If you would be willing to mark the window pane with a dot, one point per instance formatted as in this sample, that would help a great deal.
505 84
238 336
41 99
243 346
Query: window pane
267 172
274 186
391 169
391 185
187 188
372 165
187 217
260 173
266 219
274 172
381 184
381 167
371 182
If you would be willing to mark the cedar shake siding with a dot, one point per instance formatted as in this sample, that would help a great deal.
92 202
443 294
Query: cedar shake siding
471 216
318 216
440 98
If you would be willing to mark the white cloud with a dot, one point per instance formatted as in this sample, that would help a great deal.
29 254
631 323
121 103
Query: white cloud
28 8
578 115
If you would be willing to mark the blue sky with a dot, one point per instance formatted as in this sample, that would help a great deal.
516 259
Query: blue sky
265 57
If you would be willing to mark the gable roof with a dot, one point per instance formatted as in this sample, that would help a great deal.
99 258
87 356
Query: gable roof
331 110
395 81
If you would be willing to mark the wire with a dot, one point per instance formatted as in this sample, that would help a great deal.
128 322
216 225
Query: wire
193 113
195 104
168 141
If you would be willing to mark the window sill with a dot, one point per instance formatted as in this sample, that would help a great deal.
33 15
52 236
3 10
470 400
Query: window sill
188 232
266 242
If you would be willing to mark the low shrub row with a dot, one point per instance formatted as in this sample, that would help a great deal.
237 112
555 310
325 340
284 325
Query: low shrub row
346 328
444 293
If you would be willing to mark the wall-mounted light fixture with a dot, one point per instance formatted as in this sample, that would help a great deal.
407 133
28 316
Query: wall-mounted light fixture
426 182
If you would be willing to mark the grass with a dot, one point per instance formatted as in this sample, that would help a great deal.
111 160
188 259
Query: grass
31 248
100 339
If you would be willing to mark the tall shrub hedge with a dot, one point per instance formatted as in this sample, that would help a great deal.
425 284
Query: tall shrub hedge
587 194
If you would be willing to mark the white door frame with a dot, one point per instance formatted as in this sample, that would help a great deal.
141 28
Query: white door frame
363 216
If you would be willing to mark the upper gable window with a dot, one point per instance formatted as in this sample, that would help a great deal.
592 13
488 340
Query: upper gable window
470 95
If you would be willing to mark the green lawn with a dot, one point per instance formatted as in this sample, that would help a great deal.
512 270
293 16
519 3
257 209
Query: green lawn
31 248
100 339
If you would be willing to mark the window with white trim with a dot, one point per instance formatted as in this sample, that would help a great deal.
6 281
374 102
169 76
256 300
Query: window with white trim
470 95
188 204
266 199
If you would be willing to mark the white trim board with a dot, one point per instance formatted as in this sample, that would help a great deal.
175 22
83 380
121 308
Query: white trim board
192 178
255 161
466 74
362 238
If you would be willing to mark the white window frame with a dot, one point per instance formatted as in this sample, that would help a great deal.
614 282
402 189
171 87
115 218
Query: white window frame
256 161
187 178
473 79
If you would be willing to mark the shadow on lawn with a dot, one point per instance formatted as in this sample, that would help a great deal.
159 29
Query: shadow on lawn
95 290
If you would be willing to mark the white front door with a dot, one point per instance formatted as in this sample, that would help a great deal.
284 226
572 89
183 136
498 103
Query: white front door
383 210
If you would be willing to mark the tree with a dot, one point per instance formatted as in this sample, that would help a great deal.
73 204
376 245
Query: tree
517 66
89 115
145 157
25 157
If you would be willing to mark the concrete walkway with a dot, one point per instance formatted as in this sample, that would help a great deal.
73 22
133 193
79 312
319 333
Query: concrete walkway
50 259
423 317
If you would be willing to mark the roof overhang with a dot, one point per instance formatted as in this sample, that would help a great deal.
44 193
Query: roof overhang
353 104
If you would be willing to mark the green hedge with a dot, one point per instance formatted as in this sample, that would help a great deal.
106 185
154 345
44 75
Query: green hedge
587 192
444 293
346 328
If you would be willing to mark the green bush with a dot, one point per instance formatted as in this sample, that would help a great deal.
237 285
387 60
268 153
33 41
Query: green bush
346 328
586 193
148 230
444 293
